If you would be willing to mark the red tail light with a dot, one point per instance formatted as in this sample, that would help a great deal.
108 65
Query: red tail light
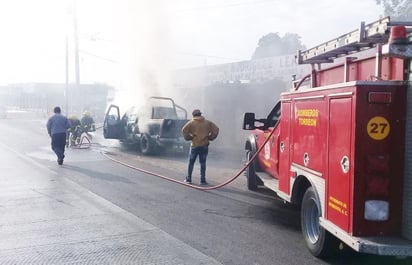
377 164
377 187
378 170
380 97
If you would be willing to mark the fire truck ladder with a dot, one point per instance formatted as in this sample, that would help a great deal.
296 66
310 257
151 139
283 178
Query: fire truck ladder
366 37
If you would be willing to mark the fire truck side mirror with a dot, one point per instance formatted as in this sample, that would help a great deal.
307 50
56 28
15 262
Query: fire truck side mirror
249 121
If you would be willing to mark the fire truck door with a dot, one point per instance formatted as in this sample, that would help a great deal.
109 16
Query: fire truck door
271 149
338 187
271 153
284 150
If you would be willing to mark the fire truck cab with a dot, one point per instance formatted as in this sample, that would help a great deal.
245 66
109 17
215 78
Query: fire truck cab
338 143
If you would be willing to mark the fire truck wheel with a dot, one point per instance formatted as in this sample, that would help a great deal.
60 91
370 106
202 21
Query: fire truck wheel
147 146
319 241
251 177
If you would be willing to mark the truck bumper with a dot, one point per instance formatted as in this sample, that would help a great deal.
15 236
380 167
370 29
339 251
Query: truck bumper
385 246
388 246
170 142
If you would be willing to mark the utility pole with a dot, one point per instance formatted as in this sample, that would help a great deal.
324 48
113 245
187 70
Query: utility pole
66 91
76 46
72 93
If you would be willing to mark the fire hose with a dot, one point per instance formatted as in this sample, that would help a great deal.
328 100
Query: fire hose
190 185
85 139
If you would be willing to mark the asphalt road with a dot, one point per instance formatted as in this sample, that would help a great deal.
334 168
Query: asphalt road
230 224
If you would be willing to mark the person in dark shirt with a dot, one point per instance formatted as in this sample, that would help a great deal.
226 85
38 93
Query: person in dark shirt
57 126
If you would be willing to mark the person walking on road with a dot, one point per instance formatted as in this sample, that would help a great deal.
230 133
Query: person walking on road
57 126
200 132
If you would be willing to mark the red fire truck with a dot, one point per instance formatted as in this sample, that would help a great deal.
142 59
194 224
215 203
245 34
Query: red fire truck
338 144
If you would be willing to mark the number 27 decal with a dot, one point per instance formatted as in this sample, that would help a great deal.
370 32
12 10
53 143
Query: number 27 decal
378 128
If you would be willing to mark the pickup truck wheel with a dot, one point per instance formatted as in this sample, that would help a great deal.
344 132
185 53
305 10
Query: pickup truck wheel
251 177
319 241
147 146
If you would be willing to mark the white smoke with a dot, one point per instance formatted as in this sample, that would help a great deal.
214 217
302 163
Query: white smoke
144 43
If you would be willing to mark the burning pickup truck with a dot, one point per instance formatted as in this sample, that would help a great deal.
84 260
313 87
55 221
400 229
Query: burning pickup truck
154 127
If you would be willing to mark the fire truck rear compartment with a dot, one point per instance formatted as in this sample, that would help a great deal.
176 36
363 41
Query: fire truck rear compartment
379 158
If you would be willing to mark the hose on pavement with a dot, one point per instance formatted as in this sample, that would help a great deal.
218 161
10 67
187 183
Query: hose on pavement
191 185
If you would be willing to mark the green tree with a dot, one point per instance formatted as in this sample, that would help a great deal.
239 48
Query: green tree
397 9
273 45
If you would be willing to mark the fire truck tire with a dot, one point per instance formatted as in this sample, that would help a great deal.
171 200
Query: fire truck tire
147 145
319 241
251 177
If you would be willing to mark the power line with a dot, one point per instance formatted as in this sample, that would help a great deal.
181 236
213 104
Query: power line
210 56
98 56
234 4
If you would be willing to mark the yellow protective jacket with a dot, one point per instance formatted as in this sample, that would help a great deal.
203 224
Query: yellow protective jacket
200 131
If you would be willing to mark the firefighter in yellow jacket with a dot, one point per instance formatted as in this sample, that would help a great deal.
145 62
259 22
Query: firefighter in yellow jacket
200 131
73 132
87 122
